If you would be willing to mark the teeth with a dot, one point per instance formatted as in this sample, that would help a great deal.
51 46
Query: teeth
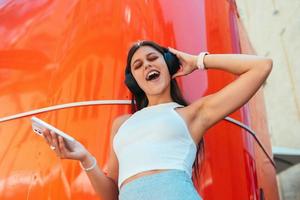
152 73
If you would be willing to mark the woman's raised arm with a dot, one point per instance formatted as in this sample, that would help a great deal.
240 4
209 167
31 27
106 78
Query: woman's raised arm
252 71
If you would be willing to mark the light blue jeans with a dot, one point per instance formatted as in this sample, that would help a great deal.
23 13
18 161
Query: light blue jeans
166 185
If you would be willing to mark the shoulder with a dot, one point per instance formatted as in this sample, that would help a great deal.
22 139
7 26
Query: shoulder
118 121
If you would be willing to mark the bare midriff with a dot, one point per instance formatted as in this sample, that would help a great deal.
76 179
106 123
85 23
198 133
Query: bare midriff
131 178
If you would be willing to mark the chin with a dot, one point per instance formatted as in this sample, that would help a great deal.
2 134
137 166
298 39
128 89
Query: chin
158 88
156 91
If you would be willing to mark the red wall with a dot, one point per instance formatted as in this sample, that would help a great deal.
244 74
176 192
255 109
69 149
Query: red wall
56 52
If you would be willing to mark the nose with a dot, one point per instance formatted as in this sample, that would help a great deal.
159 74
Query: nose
147 64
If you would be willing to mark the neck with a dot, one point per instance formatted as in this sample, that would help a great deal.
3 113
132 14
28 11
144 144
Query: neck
158 99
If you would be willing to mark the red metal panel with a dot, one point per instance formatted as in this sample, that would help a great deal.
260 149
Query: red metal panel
229 153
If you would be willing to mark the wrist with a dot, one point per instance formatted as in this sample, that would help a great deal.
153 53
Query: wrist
87 160
195 58
86 157
200 60
89 163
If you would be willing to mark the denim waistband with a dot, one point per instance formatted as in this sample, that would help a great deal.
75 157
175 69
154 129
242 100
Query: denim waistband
162 176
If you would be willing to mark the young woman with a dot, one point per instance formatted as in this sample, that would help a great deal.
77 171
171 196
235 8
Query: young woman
154 149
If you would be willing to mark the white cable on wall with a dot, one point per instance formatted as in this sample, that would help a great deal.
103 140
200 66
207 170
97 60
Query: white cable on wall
119 102
67 105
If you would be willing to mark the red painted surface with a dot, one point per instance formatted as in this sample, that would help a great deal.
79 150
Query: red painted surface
230 153
55 52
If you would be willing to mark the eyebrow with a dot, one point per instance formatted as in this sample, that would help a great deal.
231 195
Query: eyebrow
146 56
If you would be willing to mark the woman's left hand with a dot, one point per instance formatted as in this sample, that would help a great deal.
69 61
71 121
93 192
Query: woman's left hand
188 62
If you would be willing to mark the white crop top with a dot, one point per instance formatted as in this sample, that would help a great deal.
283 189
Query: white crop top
155 137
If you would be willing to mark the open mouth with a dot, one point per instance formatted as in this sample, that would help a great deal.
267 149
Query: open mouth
152 75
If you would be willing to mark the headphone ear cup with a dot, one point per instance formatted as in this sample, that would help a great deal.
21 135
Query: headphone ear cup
132 84
172 62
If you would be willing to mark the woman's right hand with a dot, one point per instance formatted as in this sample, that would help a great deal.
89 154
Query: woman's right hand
65 149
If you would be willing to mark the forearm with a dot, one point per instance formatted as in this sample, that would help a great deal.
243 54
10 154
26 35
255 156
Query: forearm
236 63
104 186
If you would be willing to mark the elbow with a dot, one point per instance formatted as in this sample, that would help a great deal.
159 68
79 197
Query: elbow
268 65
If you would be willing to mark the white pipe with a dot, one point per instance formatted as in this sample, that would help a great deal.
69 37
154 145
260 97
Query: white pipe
67 105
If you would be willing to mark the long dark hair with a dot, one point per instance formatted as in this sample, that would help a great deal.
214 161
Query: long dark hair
139 99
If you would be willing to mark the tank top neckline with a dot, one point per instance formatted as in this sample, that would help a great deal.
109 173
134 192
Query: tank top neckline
160 105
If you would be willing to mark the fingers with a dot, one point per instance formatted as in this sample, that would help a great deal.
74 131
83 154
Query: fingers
52 140
47 136
180 72
179 54
173 51
62 147
55 143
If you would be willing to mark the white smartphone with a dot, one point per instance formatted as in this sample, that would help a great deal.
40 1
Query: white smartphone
39 125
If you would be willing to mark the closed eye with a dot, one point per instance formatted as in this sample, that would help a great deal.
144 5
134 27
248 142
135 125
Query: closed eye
138 65
152 58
